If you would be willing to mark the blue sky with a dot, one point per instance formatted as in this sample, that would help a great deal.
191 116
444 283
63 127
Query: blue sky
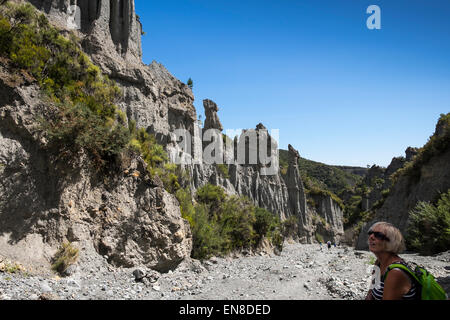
338 92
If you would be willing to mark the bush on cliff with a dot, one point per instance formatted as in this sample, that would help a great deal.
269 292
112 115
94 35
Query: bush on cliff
207 239
211 195
429 229
87 117
221 224
436 145
74 128
270 226
290 227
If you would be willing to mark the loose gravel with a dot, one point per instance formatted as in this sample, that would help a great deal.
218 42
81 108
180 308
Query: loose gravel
301 272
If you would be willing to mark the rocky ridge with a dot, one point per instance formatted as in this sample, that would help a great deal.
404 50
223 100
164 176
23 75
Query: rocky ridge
46 201
428 181
125 216
157 101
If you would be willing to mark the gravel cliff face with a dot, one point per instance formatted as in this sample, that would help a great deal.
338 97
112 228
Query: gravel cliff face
111 34
126 217
333 216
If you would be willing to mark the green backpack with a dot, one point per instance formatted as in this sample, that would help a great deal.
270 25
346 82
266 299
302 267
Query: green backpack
430 289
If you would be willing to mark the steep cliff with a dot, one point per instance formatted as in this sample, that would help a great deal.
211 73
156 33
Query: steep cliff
45 201
329 218
378 180
423 178
111 32
125 214
263 184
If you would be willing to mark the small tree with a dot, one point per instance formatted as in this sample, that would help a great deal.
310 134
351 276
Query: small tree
429 230
190 83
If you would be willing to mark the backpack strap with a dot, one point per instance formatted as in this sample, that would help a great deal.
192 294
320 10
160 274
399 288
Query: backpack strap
404 268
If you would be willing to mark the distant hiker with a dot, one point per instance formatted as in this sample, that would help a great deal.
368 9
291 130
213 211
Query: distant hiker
329 245
386 241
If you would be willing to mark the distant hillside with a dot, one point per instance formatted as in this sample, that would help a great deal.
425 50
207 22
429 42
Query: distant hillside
354 170
332 178
417 202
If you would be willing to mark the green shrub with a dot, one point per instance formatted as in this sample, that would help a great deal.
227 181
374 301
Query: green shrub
327 177
184 197
385 193
10 267
269 226
207 240
266 223
290 226
76 127
436 145
429 228
27 52
319 238
221 224
223 169
156 158
352 210
86 99
25 13
169 177
207 235
5 35
153 153
211 195
190 83
315 190
236 219
88 118
66 256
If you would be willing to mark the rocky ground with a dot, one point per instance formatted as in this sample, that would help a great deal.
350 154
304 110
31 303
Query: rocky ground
301 272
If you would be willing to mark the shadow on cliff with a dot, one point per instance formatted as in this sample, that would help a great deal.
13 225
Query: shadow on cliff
33 183
41 5
29 188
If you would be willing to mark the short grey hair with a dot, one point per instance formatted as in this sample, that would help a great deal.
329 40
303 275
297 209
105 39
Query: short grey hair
396 243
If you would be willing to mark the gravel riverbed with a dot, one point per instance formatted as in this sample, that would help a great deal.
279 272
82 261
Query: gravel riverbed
301 272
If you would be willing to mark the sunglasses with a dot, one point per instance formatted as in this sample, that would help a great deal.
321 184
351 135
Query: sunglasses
378 235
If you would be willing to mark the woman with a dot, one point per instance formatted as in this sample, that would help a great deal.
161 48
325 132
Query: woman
386 241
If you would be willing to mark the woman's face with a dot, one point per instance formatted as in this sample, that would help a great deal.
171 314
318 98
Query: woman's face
375 243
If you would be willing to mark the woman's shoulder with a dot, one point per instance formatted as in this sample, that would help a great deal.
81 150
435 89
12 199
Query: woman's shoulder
401 262
400 272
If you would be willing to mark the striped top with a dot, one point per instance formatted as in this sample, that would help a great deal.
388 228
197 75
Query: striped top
412 294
